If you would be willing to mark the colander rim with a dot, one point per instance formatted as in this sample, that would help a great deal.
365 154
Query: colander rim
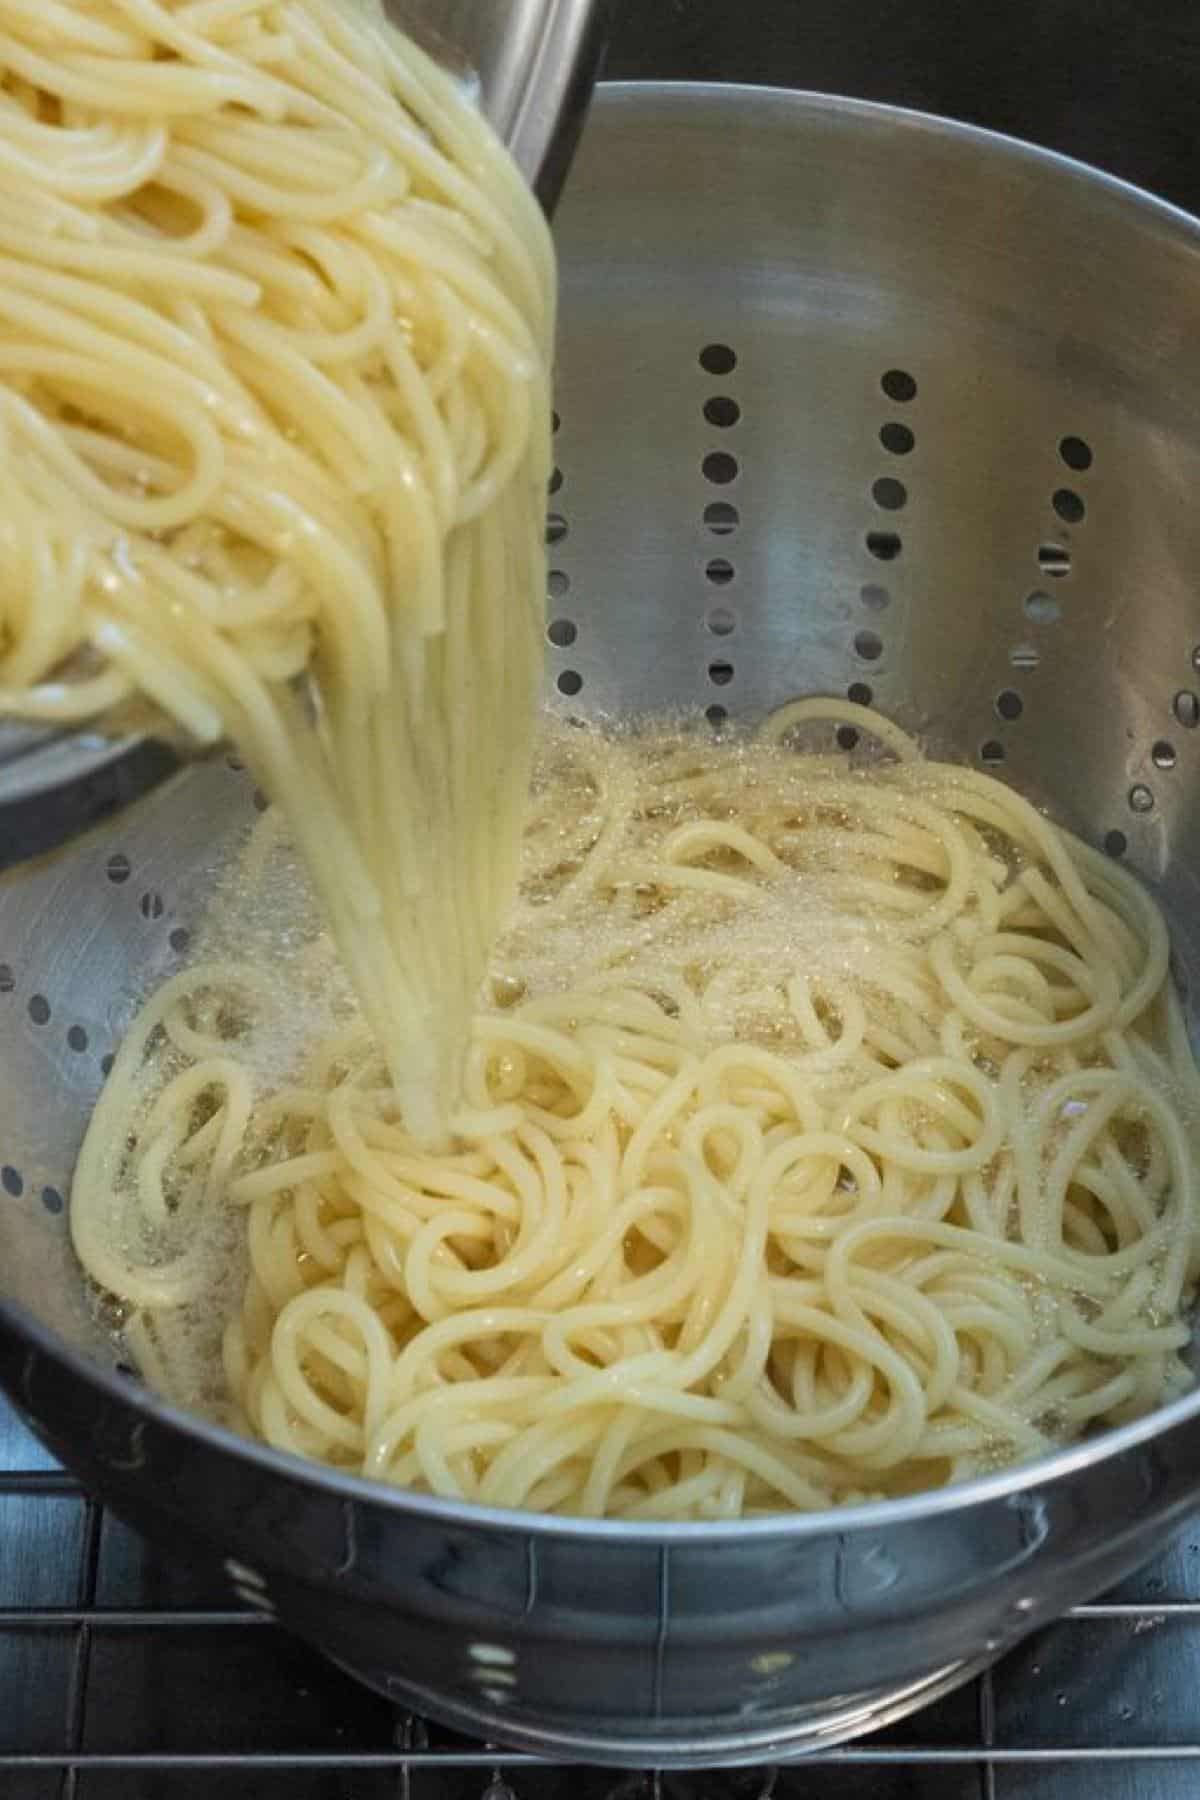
1004 1485
1018 1481
935 125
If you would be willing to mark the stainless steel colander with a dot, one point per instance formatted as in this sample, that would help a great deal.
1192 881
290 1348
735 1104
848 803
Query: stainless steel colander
852 401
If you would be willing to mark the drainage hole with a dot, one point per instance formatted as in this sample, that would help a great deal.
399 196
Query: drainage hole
1055 560
722 518
1069 506
722 412
1186 707
718 359
897 438
720 468
1076 452
899 386
890 494
1043 609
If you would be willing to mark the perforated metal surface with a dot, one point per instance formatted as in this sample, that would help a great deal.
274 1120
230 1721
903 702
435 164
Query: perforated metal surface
803 446
959 477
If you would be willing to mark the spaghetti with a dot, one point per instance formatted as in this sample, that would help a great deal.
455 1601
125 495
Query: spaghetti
276 314
827 1132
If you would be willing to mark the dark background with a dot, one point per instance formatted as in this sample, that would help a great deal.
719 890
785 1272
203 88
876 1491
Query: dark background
1114 82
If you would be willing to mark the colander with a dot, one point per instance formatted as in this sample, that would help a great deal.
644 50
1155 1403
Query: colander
852 401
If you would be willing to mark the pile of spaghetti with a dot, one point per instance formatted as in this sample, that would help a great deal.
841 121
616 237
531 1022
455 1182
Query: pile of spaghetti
828 1132
276 314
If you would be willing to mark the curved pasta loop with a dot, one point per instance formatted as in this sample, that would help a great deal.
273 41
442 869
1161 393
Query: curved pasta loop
786 1205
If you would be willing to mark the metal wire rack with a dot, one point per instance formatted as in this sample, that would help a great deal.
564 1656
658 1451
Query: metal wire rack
126 1676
